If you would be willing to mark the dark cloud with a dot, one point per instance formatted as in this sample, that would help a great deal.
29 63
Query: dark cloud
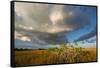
78 20
47 38
39 39
92 33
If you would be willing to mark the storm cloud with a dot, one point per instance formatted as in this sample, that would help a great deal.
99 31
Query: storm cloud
50 24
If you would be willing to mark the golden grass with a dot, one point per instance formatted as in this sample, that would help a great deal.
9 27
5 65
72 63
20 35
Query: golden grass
37 57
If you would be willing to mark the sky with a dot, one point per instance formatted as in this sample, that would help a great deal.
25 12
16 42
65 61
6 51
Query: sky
40 25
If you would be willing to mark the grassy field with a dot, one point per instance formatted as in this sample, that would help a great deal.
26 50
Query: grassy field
54 56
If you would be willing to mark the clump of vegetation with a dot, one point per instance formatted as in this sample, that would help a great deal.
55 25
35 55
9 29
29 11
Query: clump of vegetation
66 54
